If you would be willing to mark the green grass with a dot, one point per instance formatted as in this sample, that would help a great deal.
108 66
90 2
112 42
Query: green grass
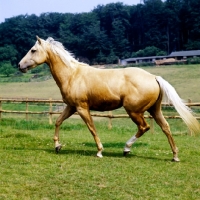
15 78
31 106
30 169
184 78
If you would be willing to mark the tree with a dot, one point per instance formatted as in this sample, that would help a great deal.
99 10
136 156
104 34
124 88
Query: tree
101 58
8 53
154 28
149 51
115 28
7 69
112 58
173 25
120 43
94 41
193 45
190 21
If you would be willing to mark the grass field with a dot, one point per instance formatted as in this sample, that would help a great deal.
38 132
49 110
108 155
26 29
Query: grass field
31 170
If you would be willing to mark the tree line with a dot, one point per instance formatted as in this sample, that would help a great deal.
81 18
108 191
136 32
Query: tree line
109 32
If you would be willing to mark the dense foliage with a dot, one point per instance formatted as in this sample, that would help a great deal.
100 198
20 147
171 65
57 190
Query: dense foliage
109 32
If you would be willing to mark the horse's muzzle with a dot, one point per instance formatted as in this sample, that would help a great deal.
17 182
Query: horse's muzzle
24 70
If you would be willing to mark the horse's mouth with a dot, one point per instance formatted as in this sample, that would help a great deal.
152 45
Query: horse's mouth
24 70
25 66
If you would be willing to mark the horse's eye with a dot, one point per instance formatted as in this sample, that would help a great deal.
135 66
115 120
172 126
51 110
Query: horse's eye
33 50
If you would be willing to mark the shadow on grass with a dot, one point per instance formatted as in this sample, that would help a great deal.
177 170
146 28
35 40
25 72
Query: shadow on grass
107 152
115 144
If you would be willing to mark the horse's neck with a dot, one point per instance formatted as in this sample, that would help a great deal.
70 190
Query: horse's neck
59 70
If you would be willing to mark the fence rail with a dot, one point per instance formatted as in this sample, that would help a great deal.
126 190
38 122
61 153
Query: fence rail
50 111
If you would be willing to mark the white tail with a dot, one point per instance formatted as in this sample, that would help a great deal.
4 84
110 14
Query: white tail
184 111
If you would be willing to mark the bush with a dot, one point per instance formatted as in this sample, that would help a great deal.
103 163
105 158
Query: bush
149 51
195 60
7 69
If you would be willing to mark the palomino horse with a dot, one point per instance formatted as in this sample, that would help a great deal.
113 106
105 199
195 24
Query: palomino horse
85 88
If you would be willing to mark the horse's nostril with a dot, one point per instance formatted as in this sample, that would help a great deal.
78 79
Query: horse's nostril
18 65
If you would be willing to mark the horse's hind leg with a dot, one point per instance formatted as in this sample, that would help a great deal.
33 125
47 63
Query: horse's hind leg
68 111
161 121
137 118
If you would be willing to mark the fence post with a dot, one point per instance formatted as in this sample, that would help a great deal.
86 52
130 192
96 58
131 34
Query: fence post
50 111
110 120
27 109
189 131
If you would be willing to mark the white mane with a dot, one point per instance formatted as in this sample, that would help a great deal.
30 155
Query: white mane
59 49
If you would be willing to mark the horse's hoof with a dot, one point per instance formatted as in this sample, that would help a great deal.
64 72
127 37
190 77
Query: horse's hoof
99 155
58 148
175 160
126 153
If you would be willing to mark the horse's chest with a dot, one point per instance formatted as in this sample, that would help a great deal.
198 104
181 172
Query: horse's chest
67 97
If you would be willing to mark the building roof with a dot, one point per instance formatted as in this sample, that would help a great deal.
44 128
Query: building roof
173 54
186 53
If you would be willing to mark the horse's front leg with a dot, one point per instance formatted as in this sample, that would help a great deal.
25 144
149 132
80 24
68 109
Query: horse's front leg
85 115
68 111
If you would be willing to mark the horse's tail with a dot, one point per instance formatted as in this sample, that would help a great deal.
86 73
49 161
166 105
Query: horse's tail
184 111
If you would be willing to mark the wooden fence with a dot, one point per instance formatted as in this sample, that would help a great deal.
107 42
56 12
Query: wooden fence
52 112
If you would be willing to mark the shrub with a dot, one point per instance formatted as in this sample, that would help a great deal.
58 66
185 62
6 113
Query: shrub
195 60
7 69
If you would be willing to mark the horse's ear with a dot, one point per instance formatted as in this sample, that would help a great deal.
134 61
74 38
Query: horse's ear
39 40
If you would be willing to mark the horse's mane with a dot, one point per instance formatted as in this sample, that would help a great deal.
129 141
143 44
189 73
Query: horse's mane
59 49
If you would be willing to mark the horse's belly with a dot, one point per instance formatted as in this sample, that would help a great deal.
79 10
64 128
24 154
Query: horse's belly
105 105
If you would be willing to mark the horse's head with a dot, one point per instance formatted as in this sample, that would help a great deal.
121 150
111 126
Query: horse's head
35 56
